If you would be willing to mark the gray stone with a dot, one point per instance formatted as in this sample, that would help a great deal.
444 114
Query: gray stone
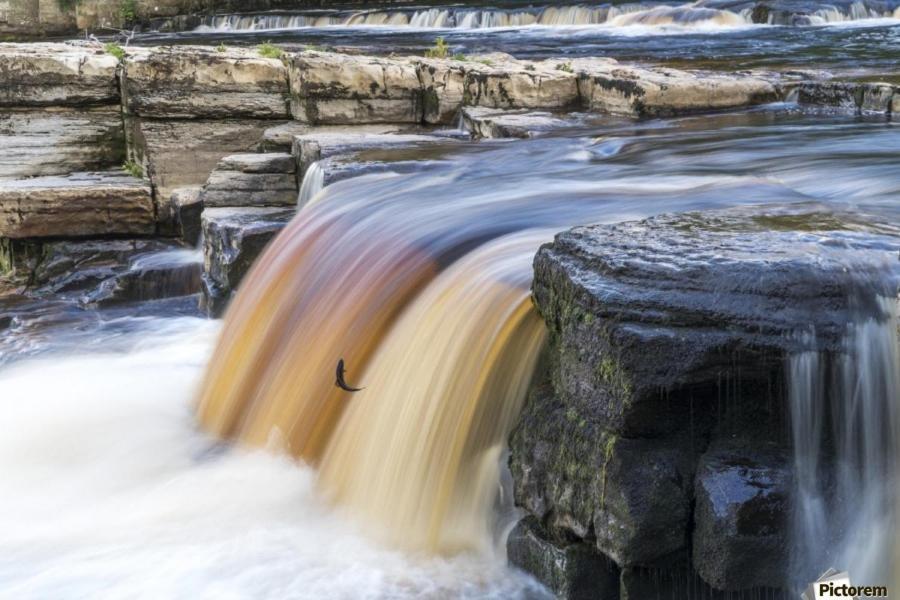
571 570
233 238
495 123
857 97
200 82
79 205
35 143
56 75
185 208
741 515
252 180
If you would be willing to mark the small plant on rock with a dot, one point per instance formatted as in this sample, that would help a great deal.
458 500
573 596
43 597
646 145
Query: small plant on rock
134 169
269 50
128 11
459 56
566 67
116 50
221 48
441 49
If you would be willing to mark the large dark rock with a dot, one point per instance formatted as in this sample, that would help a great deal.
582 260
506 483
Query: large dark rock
232 240
741 515
629 497
668 342
571 570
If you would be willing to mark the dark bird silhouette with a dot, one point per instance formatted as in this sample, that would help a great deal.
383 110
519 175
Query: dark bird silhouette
339 379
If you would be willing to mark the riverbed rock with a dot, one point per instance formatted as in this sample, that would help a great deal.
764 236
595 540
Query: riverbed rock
182 153
185 208
201 82
571 570
857 97
171 274
498 123
232 240
252 180
35 142
340 89
668 340
638 91
740 538
78 205
56 75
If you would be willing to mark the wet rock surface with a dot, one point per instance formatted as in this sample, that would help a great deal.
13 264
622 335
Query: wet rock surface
638 458
78 205
856 97
742 515
232 240
495 123
571 570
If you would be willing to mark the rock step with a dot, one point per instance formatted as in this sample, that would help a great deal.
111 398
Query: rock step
78 205
233 238
252 180
497 123
859 97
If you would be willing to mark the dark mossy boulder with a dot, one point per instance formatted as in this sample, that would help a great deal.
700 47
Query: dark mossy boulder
571 570
656 431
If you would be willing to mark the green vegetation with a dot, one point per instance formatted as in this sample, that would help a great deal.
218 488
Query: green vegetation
567 67
459 56
116 50
221 48
485 61
128 11
67 5
269 50
134 169
441 49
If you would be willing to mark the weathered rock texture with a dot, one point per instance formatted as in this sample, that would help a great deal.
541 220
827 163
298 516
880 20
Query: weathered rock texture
80 205
498 123
232 240
857 97
200 82
668 337
252 180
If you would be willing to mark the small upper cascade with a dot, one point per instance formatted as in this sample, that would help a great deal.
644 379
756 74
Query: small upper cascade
697 14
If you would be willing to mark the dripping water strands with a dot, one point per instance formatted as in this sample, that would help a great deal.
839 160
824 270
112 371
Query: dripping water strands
845 414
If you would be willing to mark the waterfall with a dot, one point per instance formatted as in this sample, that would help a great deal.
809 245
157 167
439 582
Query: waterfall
687 15
418 453
846 426
313 183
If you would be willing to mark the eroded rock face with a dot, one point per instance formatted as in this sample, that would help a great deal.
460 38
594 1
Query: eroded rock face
573 571
857 97
79 205
232 240
498 123
668 337
341 89
252 180
35 143
200 82
56 75
628 90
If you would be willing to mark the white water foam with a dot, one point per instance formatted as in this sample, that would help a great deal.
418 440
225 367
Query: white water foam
110 492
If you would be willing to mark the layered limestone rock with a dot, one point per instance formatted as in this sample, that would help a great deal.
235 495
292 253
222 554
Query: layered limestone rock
58 141
232 240
637 457
252 180
635 91
79 205
498 123
857 97
56 75
201 82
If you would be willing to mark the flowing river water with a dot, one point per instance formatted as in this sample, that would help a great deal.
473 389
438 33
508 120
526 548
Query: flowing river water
419 278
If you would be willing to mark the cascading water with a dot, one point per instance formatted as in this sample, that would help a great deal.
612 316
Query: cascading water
313 182
705 14
845 414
